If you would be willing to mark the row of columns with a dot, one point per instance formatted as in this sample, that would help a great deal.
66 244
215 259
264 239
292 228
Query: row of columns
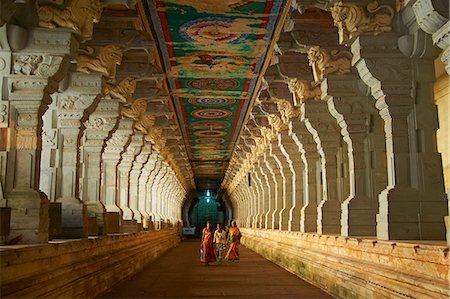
72 163
357 155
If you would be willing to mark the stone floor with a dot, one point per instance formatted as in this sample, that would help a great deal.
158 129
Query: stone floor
179 274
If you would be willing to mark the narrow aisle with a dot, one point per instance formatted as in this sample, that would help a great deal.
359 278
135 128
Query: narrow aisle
180 274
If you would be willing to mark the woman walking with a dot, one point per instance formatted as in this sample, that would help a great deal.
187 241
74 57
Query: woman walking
220 239
234 237
207 255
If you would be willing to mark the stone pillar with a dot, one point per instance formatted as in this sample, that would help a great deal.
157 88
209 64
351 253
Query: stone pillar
296 167
256 197
311 189
100 126
414 204
350 108
156 199
326 135
111 157
135 173
264 198
273 216
151 178
266 221
144 199
132 149
31 66
74 106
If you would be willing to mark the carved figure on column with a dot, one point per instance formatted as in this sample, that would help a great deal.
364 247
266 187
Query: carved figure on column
78 15
104 61
352 20
123 91
303 90
324 62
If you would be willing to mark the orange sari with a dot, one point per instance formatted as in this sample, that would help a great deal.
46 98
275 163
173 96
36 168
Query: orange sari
234 236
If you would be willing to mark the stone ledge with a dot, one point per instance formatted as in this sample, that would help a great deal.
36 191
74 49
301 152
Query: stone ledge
80 268
357 268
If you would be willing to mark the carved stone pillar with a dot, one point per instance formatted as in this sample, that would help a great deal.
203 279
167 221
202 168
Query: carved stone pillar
326 135
261 196
135 173
73 106
414 203
125 186
266 221
288 194
350 109
100 126
151 179
296 167
144 199
32 64
272 215
111 156
264 198
256 197
156 198
311 189
277 169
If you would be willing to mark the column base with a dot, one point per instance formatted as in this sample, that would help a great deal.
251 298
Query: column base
54 215
267 221
74 218
275 220
294 219
359 216
29 219
137 216
329 217
284 219
97 211
112 223
404 216
145 220
308 216
129 226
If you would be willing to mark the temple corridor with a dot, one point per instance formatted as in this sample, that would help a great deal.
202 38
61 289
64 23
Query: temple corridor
180 274
322 127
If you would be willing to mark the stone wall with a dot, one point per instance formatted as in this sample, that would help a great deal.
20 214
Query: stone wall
357 268
79 269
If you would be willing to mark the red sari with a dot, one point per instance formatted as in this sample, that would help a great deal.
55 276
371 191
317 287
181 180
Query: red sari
208 255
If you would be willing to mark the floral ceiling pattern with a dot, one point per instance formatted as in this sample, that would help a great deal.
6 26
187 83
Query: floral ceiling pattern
213 53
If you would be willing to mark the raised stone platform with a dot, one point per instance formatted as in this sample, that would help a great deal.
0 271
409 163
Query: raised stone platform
358 268
78 268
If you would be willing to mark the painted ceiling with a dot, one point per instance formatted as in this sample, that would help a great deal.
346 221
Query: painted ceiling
213 53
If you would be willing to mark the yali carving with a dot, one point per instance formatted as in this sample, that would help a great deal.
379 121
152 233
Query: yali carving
324 63
105 61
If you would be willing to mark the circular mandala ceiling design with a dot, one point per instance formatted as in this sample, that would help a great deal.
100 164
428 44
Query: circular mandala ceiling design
213 84
211 113
209 140
210 133
210 125
210 30
212 101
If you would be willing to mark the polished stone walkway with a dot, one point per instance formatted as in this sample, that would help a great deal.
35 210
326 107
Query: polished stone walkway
179 274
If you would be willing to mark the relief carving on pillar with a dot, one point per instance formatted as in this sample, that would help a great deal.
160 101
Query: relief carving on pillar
73 102
26 138
103 61
4 112
324 62
49 138
78 15
36 65
303 90
352 19
98 123
123 91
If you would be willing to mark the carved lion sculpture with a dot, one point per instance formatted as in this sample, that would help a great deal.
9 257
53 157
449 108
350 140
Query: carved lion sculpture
136 110
352 20
303 90
78 15
123 91
287 111
105 62
324 63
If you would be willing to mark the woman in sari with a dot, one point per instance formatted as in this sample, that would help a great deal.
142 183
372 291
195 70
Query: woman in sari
234 237
208 255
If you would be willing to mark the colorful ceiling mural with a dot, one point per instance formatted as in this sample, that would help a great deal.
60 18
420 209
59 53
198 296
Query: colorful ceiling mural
213 53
